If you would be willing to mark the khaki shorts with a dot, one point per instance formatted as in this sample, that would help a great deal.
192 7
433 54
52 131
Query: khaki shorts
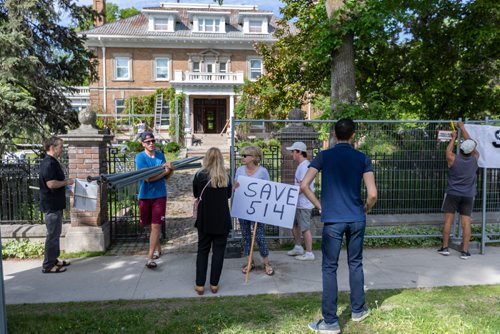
303 219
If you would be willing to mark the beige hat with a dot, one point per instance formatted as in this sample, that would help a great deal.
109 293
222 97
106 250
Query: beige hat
468 146
299 146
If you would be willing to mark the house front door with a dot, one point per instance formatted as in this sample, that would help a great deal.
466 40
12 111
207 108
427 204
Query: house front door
209 115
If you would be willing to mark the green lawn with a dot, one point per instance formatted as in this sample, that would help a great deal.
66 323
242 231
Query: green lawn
471 309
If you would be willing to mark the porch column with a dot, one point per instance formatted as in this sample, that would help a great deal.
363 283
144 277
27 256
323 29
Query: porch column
87 148
231 115
187 123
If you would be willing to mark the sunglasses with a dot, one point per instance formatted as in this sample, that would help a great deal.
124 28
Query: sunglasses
149 142
246 155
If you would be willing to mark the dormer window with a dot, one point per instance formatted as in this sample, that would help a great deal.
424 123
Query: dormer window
208 25
254 23
255 26
162 23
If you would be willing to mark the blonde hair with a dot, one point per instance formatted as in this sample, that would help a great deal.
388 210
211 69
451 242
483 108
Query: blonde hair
254 151
213 162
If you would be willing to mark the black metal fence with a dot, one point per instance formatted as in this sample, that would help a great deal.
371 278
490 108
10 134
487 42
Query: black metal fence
19 192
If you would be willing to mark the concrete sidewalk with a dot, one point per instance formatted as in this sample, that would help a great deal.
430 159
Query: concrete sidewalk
126 277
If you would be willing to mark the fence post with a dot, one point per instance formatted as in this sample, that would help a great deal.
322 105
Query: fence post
483 223
87 149
3 313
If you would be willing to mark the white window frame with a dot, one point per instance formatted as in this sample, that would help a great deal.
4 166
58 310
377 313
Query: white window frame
164 26
119 106
219 24
257 24
126 58
253 69
263 21
155 67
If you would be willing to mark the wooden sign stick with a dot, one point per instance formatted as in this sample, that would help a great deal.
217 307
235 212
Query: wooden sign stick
250 258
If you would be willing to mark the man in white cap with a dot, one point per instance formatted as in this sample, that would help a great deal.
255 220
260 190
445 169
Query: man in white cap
461 189
302 222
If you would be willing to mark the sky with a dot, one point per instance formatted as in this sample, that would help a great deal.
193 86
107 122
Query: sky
271 5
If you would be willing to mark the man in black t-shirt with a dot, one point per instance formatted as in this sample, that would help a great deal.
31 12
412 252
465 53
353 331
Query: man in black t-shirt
52 202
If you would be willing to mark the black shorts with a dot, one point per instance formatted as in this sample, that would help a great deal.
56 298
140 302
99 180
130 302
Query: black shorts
454 203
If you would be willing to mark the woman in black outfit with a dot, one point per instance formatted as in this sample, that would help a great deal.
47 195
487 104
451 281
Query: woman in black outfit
213 219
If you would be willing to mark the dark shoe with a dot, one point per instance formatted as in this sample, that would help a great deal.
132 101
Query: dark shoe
62 263
54 270
200 290
444 251
359 316
324 328
214 288
464 255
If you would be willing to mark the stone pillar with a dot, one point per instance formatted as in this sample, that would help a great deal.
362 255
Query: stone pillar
87 149
287 136
188 136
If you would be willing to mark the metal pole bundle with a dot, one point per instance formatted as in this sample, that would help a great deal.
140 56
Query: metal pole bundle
120 180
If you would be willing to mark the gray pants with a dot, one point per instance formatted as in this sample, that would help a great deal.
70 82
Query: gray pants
53 221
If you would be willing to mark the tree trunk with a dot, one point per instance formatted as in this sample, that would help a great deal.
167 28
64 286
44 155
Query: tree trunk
343 83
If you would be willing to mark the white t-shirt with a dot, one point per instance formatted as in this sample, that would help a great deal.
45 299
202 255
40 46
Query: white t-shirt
141 127
301 171
260 173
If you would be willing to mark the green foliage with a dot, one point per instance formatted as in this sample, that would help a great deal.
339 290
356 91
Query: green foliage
113 13
172 147
134 146
40 60
414 60
22 249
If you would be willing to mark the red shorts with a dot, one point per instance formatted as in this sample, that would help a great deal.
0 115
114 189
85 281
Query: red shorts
152 210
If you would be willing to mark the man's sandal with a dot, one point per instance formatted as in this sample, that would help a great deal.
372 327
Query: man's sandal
268 269
62 263
244 269
54 270
151 264
156 255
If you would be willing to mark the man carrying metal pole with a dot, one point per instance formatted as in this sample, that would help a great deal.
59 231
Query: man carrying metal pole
153 194
461 189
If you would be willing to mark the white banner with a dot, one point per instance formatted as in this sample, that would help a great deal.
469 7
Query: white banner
265 202
488 140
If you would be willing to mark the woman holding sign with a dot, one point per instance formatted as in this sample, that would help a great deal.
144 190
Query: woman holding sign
251 158
212 187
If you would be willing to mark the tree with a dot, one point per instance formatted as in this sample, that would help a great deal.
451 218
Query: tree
113 14
429 59
40 60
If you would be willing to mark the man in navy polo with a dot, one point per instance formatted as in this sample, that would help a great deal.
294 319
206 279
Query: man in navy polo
342 212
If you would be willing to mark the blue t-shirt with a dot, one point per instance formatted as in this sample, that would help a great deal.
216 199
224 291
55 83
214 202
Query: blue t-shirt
158 188
342 170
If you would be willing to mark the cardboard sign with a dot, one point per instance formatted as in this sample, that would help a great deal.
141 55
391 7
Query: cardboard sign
265 202
488 144
85 195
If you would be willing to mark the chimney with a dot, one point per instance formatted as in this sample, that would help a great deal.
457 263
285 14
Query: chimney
100 7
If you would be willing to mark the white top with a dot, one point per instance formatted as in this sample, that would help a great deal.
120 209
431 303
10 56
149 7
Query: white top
301 171
260 173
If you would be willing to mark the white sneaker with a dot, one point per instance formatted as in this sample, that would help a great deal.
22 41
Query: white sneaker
306 257
296 251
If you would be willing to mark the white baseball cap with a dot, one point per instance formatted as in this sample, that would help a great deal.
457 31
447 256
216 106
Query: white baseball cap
299 146
468 146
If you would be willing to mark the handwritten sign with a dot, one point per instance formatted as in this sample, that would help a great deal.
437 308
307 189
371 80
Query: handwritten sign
265 202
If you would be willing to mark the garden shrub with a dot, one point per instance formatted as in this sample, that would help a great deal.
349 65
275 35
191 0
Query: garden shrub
22 249
172 147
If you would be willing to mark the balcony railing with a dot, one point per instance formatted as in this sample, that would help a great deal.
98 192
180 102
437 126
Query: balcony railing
82 91
205 77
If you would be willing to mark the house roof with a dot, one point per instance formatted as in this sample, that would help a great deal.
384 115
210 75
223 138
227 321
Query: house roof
137 26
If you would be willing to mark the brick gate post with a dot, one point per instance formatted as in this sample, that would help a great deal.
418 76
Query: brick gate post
87 149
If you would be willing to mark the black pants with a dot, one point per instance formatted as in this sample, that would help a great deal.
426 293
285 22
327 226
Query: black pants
53 221
218 244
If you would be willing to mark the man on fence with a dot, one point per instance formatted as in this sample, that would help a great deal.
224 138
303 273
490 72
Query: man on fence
53 184
153 194
343 168
302 222
461 189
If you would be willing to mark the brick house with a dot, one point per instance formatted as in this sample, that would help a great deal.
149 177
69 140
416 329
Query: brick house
202 50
